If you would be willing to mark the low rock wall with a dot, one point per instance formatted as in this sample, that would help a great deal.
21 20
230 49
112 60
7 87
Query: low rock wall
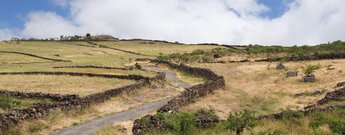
214 82
312 57
33 55
128 77
54 97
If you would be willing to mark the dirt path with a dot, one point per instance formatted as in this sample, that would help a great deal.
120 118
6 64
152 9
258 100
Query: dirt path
91 126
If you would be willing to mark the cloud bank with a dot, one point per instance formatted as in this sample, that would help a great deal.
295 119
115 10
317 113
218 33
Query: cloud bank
193 21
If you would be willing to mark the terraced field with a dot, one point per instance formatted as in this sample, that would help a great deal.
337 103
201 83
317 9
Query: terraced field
106 87
30 69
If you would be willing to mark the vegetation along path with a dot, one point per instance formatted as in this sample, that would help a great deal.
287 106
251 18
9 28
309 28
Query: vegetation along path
91 126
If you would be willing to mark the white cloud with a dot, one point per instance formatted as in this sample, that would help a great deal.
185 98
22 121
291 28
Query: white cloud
46 25
192 21
6 34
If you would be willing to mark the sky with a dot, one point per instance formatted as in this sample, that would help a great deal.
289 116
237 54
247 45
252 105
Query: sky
266 22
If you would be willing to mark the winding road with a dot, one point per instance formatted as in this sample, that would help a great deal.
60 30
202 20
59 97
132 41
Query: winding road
89 127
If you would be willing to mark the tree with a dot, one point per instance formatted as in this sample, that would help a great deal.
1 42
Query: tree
88 35
241 120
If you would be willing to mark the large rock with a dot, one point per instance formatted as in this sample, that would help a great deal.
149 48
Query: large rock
308 78
280 66
292 73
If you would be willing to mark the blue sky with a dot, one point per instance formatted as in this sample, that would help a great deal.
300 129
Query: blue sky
14 12
267 22
277 7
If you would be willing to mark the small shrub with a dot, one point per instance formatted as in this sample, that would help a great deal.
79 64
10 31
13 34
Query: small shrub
289 114
7 102
138 66
310 69
76 123
271 132
207 112
37 127
209 115
144 121
186 122
180 123
241 120
337 126
315 124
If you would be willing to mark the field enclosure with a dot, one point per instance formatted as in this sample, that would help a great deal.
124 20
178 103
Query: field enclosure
265 89
82 81
49 75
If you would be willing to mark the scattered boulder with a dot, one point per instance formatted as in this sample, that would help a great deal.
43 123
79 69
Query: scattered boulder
280 66
292 73
330 67
216 56
317 92
340 84
308 78
122 130
129 67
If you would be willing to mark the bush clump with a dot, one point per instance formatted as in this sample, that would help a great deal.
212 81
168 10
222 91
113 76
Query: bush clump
7 102
336 125
179 123
241 120
138 66
289 114
206 118
310 69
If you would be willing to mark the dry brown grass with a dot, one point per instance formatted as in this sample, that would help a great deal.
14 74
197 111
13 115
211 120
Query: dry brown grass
122 128
253 86
16 58
82 86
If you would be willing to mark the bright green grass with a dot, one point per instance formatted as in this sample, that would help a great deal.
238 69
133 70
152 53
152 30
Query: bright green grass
9 102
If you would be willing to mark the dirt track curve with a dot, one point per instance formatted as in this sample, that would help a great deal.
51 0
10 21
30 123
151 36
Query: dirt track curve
89 127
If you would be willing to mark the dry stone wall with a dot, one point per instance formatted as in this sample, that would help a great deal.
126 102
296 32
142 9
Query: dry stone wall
54 97
214 82
332 96
129 77
91 66
338 93
313 57
104 46
304 112
33 55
